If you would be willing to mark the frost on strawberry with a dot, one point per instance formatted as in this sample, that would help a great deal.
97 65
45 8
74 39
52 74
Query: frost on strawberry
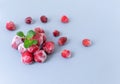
16 41
40 56
21 48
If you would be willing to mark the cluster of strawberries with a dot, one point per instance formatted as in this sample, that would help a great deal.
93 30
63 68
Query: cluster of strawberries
34 46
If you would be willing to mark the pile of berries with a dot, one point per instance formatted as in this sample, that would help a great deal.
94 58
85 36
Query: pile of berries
34 46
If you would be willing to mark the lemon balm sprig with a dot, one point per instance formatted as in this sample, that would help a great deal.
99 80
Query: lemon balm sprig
27 38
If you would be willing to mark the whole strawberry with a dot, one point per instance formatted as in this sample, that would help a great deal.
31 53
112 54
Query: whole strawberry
40 56
27 58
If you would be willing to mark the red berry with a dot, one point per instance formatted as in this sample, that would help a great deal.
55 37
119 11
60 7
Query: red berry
64 19
10 26
40 56
43 35
28 20
43 19
16 42
39 38
33 48
62 40
56 33
27 57
39 30
86 42
66 53
49 47
21 48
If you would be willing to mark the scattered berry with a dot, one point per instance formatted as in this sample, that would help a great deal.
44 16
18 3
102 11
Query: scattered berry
33 48
28 20
66 53
39 30
27 57
64 19
62 41
21 48
49 47
10 26
40 56
56 33
16 42
43 19
86 42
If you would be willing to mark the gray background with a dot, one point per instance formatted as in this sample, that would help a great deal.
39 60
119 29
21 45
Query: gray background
98 20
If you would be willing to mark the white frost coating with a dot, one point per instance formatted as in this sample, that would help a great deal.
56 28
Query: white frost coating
21 48
24 58
40 56
43 57
16 41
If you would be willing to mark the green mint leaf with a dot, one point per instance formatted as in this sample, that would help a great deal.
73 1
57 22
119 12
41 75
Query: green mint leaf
21 34
28 43
30 34
34 42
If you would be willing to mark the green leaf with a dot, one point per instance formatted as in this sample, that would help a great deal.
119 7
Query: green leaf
30 34
28 43
34 42
21 34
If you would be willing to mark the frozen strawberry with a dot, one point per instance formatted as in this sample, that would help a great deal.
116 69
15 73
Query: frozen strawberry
43 19
64 19
39 30
40 56
16 42
86 42
39 38
28 20
21 48
62 41
49 47
27 58
10 26
66 53
43 35
33 48
56 33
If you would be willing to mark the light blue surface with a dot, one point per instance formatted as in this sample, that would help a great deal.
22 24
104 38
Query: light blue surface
98 20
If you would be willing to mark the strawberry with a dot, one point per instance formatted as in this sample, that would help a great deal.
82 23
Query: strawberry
64 19
40 56
21 48
27 57
10 26
16 42
49 47
39 30
66 53
62 41
33 48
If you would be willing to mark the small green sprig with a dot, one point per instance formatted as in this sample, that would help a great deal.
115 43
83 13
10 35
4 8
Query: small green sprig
27 39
